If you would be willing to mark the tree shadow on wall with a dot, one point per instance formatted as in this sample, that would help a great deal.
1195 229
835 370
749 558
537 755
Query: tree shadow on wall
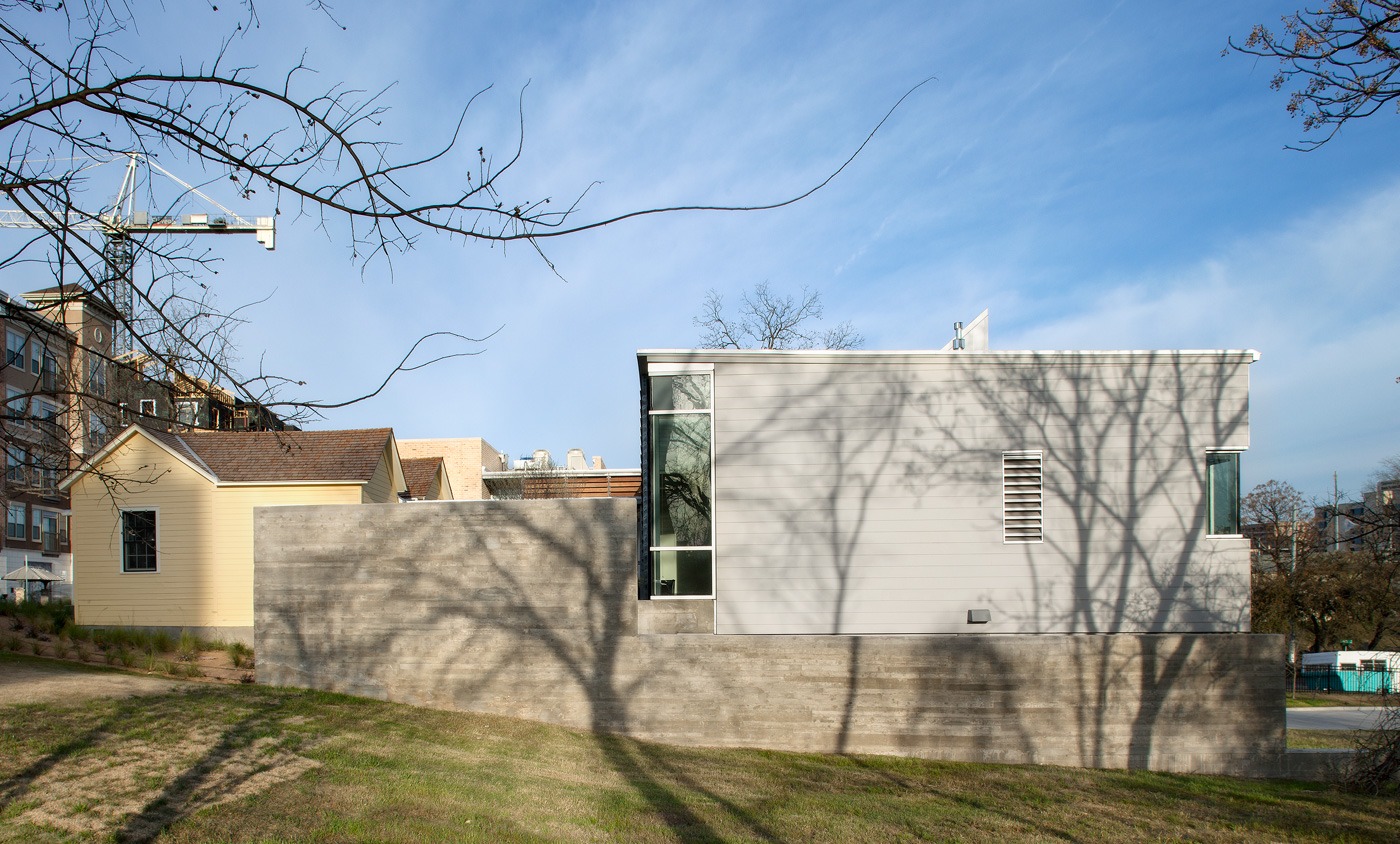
837 457
1124 540
537 626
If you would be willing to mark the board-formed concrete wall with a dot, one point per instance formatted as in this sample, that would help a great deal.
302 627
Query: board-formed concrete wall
528 608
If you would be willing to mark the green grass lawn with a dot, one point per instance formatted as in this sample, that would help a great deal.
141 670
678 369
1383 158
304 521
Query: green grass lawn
1309 699
210 763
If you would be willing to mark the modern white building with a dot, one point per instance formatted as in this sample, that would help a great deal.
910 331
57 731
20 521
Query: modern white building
951 491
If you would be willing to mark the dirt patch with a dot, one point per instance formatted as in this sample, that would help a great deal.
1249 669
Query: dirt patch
212 666
113 783
29 683
137 788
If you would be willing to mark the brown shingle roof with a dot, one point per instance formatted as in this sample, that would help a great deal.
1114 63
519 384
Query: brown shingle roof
418 473
233 456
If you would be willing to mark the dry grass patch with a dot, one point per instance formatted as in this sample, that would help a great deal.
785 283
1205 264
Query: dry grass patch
243 764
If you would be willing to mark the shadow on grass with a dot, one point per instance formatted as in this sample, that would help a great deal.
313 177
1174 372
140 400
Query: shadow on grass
635 762
17 786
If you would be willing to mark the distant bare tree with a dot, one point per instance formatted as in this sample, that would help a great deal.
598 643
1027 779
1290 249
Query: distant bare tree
770 321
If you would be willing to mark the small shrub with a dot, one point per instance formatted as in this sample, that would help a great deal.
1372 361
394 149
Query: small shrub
246 677
35 646
140 639
238 653
80 633
161 642
117 637
169 668
127 656
110 655
60 649
149 662
13 642
188 647
43 623
192 670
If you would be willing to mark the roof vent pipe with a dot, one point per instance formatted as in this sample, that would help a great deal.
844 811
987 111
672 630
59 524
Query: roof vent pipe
959 342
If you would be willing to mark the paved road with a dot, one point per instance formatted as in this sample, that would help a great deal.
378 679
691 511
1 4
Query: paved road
1334 717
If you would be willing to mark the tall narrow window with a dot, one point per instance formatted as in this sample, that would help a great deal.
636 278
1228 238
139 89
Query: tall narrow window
50 381
682 535
15 521
17 465
1022 497
48 530
1223 492
16 405
138 540
14 349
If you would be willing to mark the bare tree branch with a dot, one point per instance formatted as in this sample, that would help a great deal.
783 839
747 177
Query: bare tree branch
769 321
1344 56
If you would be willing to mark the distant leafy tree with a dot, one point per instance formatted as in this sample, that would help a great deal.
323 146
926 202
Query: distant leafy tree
1344 56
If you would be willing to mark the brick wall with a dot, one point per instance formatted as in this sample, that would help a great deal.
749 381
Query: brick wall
527 608
464 456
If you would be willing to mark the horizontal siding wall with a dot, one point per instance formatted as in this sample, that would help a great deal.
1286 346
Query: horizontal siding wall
204 536
866 496
231 561
183 591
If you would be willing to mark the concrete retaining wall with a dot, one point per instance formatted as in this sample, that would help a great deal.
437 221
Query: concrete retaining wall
527 608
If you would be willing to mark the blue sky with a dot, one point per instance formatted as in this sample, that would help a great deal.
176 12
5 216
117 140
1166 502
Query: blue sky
1096 174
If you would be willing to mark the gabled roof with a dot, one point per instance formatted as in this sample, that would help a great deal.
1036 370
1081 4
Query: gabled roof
266 457
418 474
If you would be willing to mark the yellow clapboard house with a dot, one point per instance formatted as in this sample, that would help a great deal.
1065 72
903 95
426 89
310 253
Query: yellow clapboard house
162 526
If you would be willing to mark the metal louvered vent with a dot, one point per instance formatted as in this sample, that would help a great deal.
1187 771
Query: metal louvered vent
1022 497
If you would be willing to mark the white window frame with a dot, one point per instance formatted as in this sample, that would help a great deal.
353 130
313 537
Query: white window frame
121 539
45 515
16 414
10 357
22 524
662 370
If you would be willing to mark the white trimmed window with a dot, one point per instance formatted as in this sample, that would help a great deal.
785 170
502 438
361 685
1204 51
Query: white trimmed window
48 531
14 349
681 451
16 405
139 540
1022 497
14 522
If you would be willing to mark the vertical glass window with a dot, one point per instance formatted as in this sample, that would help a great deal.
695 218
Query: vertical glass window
14 349
682 533
1223 492
184 413
50 373
138 540
16 405
48 529
14 523
16 464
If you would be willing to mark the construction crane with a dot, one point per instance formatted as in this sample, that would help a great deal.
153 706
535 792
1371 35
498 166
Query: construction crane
123 222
